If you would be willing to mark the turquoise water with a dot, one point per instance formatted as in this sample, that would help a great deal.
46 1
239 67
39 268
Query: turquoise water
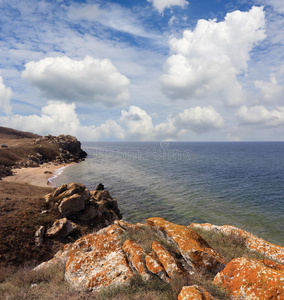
240 184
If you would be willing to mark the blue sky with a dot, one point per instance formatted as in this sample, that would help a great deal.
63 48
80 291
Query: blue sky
143 70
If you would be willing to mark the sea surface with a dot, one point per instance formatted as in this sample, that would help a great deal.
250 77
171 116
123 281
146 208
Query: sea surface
235 183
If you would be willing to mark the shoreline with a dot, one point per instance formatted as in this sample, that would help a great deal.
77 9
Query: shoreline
38 176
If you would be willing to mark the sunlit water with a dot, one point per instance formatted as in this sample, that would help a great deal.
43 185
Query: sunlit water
240 184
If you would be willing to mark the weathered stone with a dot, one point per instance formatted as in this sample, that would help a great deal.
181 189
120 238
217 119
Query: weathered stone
128 226
89 214
252 279
194 292
169 263
61 228
39 236
136 256
73 204
154 266
194 249
97 260
60 190
253 242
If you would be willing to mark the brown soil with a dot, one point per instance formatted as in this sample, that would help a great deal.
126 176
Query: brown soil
20 216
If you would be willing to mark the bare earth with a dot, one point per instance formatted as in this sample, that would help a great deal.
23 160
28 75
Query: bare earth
34 176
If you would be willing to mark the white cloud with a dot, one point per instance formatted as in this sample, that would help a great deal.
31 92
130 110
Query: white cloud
260 115
5 96
208 60
89 80
199 119
161 5
271 91
134 124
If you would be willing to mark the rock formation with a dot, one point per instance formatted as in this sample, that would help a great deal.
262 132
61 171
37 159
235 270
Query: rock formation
78 206
159 249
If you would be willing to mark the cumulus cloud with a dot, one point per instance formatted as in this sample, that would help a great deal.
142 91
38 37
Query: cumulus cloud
89 80
208 60
271 91
260 115
5 96
134 123
161 5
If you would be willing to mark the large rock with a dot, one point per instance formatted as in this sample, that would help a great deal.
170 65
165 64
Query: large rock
155 266
253 242
194 249
61 228
136 256
252 279
194 292
73 204
97 260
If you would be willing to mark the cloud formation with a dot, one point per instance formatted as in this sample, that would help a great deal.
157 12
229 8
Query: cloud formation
161 5
5 96
89 81
208 60
260 115
271 91
61 118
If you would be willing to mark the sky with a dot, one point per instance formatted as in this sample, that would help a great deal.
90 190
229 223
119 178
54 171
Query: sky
143 70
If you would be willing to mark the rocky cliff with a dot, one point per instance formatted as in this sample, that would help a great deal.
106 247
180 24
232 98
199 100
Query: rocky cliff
23 149
167 252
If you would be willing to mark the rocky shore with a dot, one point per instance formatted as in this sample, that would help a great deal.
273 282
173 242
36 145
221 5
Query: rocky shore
80 235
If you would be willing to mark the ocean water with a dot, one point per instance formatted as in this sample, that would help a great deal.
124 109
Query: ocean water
240 184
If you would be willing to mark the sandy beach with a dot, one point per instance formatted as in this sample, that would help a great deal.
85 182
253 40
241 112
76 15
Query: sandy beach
36 176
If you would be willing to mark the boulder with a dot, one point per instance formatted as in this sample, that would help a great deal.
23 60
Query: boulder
194 292
154 266
252 279
253 242
136 256
97 260
100 187
39 236
61 228
169 263
194 249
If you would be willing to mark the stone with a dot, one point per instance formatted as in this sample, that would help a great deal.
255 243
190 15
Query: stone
252 242
88 214
195 292
252 279
154 266
100 187
39 236
73 204
135 254
169 263
97 260
194 249
61 228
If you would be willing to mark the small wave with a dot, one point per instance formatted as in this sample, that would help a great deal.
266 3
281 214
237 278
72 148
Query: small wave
56 173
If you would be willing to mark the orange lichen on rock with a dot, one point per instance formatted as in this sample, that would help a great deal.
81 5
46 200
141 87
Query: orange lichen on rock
194 292
97 260
136 256
253 242
154 265
252 279
168 261
194 249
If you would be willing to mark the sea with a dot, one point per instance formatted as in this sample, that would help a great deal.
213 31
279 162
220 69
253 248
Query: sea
222 183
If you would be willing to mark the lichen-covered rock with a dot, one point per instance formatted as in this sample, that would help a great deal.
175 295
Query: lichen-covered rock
136 256
253 242
97 260
154 266
61 228
194 249
169 263
252 279
194 292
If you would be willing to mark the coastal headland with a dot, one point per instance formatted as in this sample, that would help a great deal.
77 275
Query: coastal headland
78 247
